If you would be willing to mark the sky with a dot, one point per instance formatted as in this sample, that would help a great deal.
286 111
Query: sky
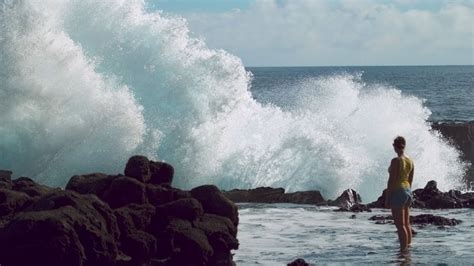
332 33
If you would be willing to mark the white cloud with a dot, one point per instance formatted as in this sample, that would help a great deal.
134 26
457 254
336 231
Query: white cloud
363 32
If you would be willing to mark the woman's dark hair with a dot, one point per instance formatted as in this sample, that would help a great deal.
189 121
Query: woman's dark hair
399 142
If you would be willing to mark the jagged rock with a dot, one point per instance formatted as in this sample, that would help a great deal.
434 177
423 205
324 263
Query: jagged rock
30 187
213 201
140 246
347 199
187 209
431 197
5 179
124 190
117 190
161 173
161 194
138 167
116 220
298 262
146 171
61 228
12 202
95 183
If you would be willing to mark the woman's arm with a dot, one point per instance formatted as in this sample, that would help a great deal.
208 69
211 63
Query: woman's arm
410 177
393 174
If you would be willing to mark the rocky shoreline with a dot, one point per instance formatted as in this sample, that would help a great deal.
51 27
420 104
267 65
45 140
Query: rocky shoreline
138 218
131 219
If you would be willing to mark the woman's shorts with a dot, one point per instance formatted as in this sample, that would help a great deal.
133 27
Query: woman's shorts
401 198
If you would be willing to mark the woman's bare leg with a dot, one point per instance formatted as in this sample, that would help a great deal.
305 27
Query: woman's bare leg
397 214
406 219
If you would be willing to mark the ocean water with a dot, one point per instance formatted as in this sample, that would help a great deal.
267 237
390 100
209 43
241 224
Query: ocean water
85 84
447 91
277 234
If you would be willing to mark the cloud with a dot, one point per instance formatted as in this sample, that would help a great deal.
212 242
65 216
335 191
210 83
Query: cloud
362 32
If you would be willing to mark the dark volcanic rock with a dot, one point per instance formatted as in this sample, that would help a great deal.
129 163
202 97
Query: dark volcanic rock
298 262
421 219
117 191
433 219
12 202
30 187
138 167
5 179
431 197
62 228
355 208
274 195
260 195
462 135
124 190
158 173
347 199
116 220
161 173
213 201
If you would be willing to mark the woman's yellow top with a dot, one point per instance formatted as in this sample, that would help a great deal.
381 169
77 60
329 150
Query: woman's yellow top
406 166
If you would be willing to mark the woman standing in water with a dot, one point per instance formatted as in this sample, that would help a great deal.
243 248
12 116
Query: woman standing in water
398 195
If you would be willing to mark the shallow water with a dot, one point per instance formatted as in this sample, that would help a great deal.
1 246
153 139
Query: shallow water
276 234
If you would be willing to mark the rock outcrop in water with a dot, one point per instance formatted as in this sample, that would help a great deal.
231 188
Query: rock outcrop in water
131 219
462 135
421 220
430 197
274 195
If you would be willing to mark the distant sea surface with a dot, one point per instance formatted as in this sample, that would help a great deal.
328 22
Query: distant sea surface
448 91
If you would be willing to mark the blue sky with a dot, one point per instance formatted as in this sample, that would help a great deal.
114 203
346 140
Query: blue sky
336 32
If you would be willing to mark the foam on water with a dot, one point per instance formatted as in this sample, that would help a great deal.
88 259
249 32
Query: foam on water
85 84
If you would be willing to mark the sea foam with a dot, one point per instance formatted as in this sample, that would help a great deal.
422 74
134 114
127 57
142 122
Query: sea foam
86 84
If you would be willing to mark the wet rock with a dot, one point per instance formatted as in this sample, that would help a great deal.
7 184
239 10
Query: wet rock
117 190
12 202
62 228
421 220
138 167
95 183
5 179
116 220
30 187
274 195
355 208
161 173
298 262
161 194
187 209
347 199
462 135
214 202
433 219
430 197
124 190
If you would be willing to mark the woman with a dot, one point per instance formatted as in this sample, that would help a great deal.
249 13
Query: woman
398 195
